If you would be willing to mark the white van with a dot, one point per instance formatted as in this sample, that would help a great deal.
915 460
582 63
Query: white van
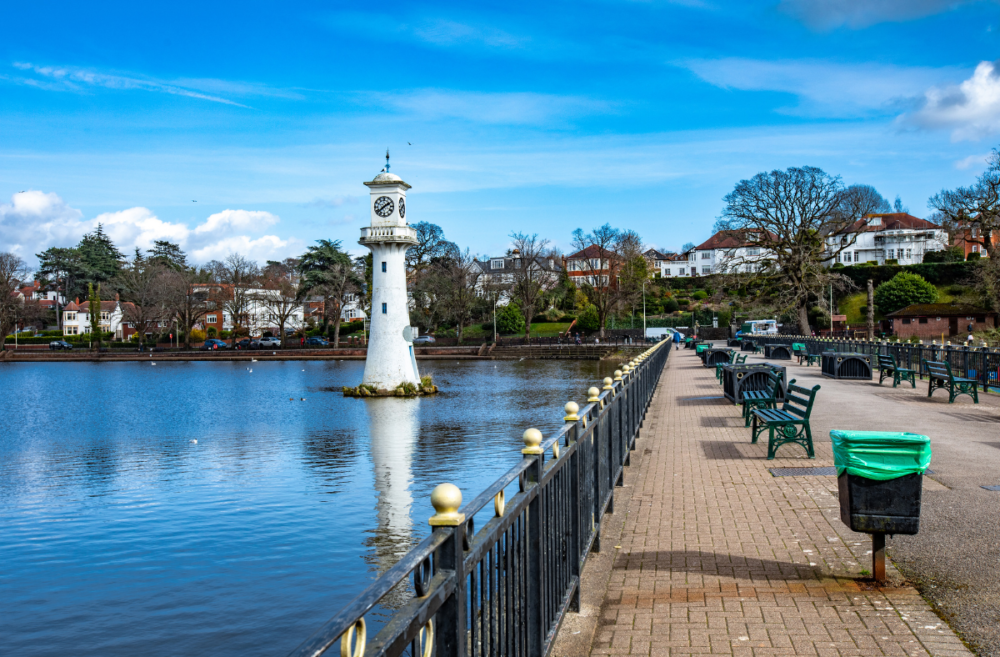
758 326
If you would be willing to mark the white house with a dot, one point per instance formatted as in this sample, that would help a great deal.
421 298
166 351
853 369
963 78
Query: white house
891 236
666 265
728 251
497 274
76 318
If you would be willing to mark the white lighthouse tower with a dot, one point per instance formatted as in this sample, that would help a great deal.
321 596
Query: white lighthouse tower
390 360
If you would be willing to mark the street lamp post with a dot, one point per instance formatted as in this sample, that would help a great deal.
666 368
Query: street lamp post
644 311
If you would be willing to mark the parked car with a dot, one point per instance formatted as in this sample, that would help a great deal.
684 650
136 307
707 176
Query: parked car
318 341
59 344
242 344
269 343
424 339
213 344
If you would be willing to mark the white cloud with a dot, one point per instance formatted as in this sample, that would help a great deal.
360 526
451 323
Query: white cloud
971 109
236 219
515 108
34 221
855 14
71 78
448 32
824 88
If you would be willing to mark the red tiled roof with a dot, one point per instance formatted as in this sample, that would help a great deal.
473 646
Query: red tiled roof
728 239
592 252
84 306
891 221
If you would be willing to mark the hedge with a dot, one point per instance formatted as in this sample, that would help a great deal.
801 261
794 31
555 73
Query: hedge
939 273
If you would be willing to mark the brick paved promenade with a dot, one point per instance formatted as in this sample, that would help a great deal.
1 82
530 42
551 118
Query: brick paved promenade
717 557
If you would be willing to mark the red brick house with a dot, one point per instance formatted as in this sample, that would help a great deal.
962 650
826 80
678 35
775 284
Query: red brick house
934 321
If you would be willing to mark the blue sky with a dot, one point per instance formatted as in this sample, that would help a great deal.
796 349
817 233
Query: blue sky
539 117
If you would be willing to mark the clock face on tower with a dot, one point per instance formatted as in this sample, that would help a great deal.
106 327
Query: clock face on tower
402 209
383 206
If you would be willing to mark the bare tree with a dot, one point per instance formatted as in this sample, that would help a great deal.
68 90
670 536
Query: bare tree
597 253
13 272
532 276
187 299
142 285
974 207
634 270
239 276
460 275
280 300
431 245
803 217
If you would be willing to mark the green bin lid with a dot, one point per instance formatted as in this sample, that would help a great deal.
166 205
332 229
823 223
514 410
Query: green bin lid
798 346
880 455
701 347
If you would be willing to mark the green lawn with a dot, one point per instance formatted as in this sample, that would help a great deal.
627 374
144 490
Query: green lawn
852 305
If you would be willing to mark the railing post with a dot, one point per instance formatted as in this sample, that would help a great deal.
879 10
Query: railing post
450 622
533 569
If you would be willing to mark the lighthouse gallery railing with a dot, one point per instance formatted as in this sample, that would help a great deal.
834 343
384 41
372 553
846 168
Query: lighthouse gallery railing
505 589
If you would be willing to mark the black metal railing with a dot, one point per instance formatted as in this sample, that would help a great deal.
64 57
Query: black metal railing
980 363
570 341
503 590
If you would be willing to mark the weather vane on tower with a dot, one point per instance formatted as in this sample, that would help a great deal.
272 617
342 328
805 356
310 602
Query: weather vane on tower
387 159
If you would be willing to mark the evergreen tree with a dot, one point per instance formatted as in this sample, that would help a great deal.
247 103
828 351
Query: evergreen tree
100 257
94 296
168 254
64 270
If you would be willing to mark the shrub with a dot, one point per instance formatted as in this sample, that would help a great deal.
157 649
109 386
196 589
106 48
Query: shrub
197 335
903 290
891 261
683 303
225 334
951 254
837 265
510 321
589 319
211 332
671 306
975 255
699 295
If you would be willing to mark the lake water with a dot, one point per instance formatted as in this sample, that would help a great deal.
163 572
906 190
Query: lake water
120 536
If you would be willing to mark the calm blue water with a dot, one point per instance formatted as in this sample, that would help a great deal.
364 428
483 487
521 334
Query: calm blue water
120 536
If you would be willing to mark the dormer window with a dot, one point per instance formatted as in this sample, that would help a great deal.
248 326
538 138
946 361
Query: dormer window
496 263
875 221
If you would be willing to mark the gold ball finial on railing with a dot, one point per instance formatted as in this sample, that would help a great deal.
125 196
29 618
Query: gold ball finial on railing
609 383
618 375
532 442
446 499
593 394
571 409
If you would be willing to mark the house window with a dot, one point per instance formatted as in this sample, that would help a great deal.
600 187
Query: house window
975 248
706 270
892 254
981 318
705 255
210 319
906 320
922 320
909 253
385 308
497 263
753 251
383 267
666 272
857 256
70 317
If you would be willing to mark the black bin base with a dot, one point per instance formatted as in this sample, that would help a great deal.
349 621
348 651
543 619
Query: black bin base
885 507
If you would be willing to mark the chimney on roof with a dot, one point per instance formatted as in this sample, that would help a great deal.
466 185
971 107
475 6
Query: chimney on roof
116 296
78 301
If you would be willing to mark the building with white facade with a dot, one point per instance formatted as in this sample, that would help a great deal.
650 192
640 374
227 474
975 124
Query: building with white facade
390 360
891 236
726 252
76 318
666 265
498 274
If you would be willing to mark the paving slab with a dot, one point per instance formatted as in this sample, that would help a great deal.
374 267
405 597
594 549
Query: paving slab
715 556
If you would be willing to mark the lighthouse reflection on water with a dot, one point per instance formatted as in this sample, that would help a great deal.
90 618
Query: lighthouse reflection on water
394 429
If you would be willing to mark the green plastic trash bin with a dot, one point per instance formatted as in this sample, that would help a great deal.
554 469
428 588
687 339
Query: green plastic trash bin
702 347
798 346
880 478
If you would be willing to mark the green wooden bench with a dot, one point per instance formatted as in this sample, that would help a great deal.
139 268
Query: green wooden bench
768 398
887 367
941 376
788 424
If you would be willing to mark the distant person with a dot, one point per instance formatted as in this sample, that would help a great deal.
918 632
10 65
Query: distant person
969 341
677 340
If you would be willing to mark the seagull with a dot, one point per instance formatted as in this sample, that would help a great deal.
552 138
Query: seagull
152 363
193 201
409 144
253 360
303 399
251 371
194 442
